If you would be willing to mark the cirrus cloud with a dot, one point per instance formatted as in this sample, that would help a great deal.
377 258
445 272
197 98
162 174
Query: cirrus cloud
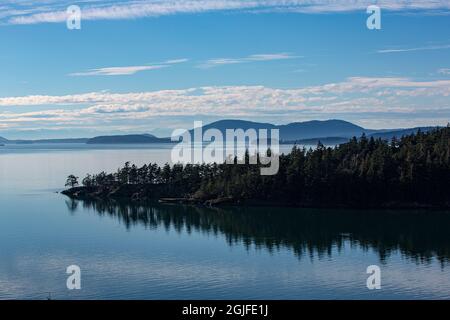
251 58
52 11
127 70
116 71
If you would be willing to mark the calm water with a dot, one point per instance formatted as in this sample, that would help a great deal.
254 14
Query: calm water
179 252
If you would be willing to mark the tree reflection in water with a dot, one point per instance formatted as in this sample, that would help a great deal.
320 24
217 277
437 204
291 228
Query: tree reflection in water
417 235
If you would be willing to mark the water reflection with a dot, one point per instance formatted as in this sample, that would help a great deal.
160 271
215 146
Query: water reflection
418 235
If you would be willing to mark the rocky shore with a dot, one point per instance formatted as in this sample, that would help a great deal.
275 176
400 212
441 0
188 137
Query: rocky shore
164 194
140 193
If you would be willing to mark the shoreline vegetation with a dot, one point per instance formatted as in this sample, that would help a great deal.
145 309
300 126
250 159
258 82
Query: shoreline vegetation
411 172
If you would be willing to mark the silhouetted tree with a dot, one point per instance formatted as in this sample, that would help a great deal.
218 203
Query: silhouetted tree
71 181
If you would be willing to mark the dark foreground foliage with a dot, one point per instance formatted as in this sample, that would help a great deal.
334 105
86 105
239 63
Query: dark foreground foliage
412 171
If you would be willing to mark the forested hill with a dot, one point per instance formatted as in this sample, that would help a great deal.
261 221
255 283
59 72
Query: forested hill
328 131
366 172
124 139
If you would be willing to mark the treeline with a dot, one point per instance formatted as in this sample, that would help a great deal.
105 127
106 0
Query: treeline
362 172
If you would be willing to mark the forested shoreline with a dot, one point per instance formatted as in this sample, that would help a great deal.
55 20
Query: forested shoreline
413 171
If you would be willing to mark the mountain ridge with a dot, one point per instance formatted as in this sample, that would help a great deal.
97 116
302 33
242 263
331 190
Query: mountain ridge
295 132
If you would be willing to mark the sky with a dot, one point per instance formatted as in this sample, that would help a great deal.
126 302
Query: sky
155 66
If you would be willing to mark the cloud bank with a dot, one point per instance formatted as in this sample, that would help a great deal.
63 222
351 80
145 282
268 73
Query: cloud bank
362 97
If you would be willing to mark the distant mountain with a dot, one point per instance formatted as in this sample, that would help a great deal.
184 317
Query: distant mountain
69 140
400 132
125 139
297 130
318 129
222 125
308 132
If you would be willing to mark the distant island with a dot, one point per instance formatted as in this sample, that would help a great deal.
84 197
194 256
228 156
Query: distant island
410 172
125 139
330 132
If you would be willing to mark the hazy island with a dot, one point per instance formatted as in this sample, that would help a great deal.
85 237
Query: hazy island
331 132
413 171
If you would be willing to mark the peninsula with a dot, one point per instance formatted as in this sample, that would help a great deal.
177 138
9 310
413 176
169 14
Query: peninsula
413 171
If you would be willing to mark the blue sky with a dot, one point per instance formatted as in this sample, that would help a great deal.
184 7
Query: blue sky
153 66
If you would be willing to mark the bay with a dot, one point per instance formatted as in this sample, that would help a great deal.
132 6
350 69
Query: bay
156 251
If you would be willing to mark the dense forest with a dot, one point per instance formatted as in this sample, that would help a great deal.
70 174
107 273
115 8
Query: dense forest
411 171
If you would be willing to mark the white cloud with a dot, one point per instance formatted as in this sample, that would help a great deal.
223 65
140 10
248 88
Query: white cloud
251 58
116 71
225 96
128 70
356 95
270 57
445 71
375 102
51 11
434 47
176 61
